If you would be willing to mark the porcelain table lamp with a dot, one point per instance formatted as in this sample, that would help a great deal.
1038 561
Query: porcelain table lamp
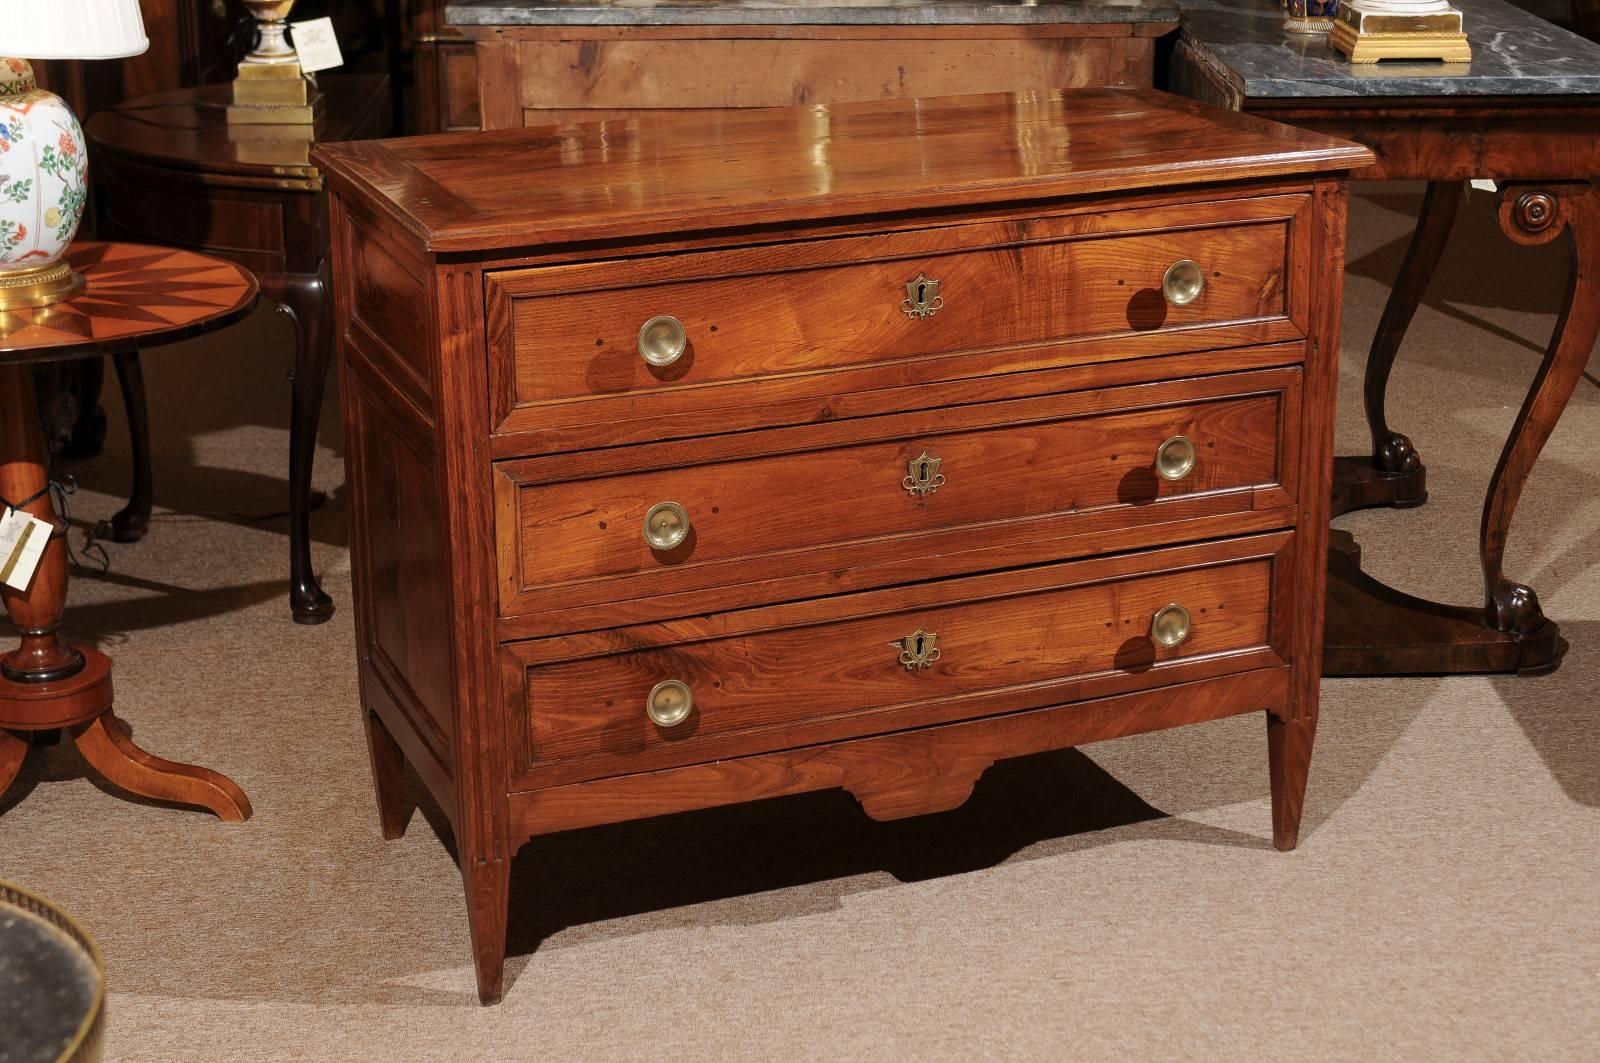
43 167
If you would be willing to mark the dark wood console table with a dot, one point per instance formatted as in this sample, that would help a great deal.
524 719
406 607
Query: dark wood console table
542 62
168 169
1524 113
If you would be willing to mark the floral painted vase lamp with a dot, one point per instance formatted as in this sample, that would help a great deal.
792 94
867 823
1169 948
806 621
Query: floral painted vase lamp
43 168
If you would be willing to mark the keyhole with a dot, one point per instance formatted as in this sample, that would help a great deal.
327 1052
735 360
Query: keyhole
919 647
922 470
922 293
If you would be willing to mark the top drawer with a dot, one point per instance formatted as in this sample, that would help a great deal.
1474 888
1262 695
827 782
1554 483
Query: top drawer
797 324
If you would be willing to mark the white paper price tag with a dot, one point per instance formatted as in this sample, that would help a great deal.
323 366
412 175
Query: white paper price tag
316 44
1483 184
23 538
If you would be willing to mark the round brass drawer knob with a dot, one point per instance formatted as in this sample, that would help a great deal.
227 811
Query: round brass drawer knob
1175 458
1183 282
666 526
662 340
1170 626
670 703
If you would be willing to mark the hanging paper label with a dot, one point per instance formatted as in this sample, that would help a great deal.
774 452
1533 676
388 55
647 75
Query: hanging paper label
23 538
316 44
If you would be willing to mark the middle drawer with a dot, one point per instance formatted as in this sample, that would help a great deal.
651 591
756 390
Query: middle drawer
670 519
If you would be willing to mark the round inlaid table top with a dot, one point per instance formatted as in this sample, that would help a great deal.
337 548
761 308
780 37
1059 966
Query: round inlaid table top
134 296
52 982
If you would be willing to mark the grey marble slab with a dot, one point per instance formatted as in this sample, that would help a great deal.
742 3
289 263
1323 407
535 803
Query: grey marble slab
805 12
1514 53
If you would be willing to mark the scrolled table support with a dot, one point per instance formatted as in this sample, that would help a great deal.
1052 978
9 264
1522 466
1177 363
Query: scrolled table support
1375 630
1395 475
1538 214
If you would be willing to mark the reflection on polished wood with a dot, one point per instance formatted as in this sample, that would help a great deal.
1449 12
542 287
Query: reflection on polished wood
636 177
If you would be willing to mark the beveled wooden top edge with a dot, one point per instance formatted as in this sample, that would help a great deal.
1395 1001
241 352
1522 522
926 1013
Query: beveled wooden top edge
414 180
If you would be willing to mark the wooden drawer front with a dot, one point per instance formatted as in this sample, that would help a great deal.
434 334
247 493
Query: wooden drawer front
814 319
1027 638
834 504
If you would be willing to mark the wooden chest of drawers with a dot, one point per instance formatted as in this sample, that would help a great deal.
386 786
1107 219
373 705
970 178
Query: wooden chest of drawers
695 462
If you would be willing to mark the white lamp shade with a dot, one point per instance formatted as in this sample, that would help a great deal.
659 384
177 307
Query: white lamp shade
71 29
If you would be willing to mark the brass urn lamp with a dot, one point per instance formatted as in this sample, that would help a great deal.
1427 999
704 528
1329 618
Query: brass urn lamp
271 89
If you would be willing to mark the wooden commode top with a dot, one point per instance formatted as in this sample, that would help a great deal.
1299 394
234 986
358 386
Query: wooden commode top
521 188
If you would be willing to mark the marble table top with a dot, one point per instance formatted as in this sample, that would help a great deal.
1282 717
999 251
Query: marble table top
1514 53
805 12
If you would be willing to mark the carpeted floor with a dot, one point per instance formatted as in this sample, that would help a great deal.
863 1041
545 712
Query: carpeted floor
1120 902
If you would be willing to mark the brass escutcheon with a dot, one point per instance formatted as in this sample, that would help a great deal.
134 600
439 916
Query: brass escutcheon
666 526
922 298
670 702
1170 626
923 477
1183 282
1175 458
920 649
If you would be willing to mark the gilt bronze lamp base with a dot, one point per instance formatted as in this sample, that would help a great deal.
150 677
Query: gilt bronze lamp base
38 286
1369 31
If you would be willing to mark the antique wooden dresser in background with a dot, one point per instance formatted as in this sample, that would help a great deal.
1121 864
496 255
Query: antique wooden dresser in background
696 461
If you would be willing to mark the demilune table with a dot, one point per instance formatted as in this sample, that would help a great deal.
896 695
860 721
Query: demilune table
1525 113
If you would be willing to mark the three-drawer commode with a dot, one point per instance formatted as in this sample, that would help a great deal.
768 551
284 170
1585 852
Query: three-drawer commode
700 461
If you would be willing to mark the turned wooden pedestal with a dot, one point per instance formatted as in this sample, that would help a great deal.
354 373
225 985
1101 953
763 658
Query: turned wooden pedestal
135 297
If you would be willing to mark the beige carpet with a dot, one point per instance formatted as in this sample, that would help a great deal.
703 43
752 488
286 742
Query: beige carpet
1122 902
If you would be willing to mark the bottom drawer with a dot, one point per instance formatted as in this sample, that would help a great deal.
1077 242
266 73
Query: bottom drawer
636 699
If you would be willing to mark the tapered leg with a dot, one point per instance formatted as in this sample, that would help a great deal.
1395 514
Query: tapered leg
488 884
13 750
1288 762
387 762
1394 476
131 522
106 746
306 300
1535 214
